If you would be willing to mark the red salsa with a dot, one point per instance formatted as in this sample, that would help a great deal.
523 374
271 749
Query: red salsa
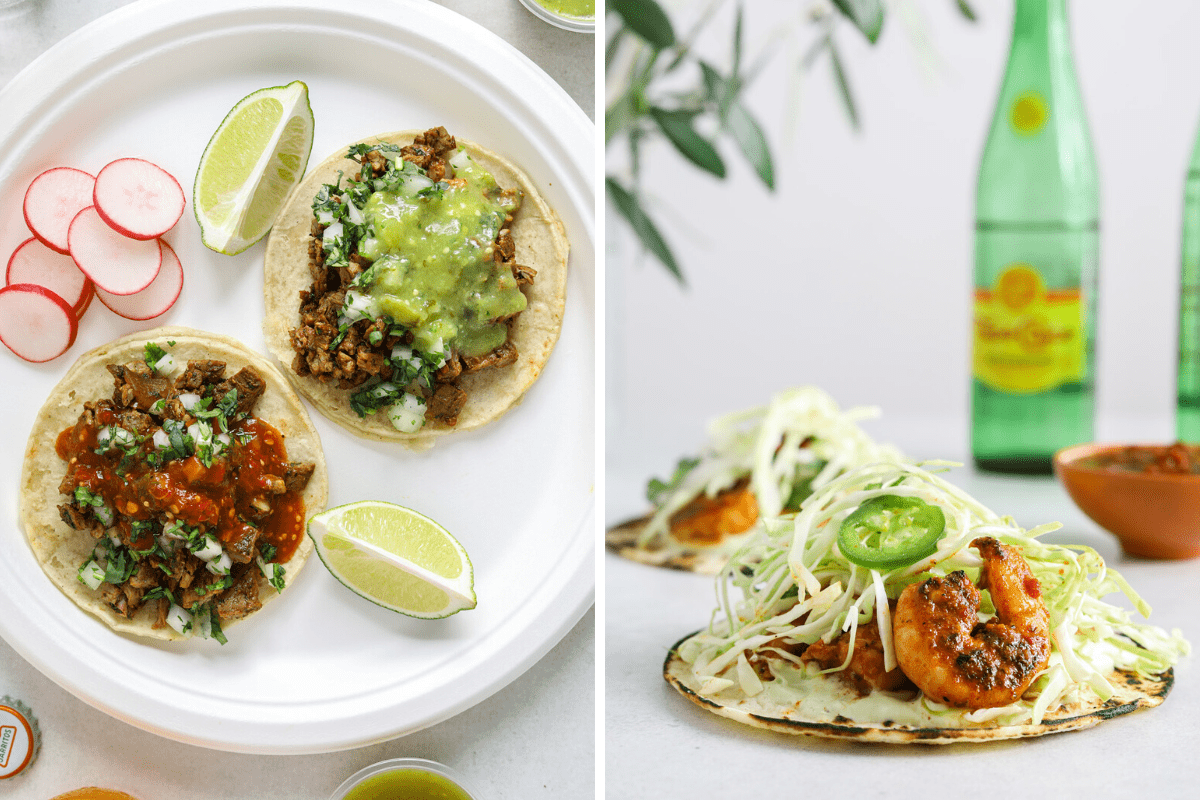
190 497
1174 459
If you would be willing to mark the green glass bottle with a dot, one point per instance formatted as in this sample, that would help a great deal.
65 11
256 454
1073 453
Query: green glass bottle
1036 248
1187 385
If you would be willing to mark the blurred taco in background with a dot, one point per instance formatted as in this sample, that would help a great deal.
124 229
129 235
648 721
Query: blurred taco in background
760 462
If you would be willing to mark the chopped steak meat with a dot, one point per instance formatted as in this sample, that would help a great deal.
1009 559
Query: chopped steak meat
156 485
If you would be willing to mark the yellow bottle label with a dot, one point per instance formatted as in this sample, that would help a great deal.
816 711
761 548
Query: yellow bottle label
1027 338
1029 113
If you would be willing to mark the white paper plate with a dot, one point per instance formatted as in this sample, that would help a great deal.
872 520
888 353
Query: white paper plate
320 669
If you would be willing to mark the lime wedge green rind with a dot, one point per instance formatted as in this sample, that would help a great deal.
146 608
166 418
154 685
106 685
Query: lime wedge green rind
255 157
395 557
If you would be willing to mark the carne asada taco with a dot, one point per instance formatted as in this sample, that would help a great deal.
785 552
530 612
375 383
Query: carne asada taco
167 481
860 618
415 286
761 461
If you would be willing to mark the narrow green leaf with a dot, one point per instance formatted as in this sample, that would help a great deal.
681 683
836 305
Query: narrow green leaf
714 84
619 117
677 126
867 16
614 44
629 208
965 9
843 84
749 136
647 19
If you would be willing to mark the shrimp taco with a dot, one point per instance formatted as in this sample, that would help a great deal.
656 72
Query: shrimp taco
895 608
166 483
761 462
415 286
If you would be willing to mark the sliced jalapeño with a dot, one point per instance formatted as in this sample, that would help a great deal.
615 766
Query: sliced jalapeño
889 531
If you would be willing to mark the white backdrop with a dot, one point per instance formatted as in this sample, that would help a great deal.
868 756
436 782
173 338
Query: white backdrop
855 274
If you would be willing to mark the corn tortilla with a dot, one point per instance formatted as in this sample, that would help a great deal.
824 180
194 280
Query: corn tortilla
59 548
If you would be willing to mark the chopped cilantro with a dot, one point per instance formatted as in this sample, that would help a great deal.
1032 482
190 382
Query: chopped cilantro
277 577
216 627
374 397
154 353
657 489
267 550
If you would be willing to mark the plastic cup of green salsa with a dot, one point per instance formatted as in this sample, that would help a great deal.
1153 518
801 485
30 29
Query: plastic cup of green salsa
406 779
571 15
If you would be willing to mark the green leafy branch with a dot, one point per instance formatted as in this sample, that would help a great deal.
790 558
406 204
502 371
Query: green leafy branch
646 37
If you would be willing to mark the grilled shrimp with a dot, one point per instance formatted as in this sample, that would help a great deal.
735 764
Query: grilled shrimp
706 520
955 659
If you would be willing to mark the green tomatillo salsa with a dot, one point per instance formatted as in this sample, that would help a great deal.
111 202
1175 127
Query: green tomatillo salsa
431 252
570 8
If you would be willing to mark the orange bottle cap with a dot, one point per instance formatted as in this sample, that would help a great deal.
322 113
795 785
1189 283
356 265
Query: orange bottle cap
19 737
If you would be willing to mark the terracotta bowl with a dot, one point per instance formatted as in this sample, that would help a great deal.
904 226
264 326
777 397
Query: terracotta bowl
1154 515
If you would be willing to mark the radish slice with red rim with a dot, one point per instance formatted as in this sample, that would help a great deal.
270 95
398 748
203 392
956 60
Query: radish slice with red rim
52 201
115 263
138 199
34 262
155 299
35 323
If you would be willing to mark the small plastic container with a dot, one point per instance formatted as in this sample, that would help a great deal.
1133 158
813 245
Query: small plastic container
402 765
568 23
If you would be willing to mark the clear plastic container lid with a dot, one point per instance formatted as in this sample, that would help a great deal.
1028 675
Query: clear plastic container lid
569 23
397 765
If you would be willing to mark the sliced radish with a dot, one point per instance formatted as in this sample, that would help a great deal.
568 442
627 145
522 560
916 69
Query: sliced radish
156 298
52 201
115 263
35 323
138 199
34 262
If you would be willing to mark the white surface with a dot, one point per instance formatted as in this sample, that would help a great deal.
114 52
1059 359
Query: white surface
659 744
855 274
129 760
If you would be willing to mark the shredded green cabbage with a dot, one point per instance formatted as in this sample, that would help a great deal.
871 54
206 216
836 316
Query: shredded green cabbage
792 446
794 583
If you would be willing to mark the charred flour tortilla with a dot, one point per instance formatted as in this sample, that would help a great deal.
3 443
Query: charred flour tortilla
540 243
828 719
59 548
624 540
895 607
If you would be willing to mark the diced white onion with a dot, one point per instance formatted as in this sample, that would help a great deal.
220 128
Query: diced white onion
460 159
325 216
189 399
331 235
264 567
223 438
158 407
355 215
166 365
167 543
161 440
408 415
221 565
92 576
178 618
202 624
210 550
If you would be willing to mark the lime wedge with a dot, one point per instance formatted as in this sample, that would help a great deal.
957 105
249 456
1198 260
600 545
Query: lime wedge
251 163
395 557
